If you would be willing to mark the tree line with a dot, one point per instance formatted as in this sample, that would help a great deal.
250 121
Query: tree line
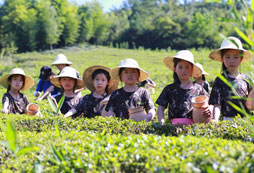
28 25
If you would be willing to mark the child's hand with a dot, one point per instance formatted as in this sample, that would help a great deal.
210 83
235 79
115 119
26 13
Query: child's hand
5 111
148 117
208 112
37 94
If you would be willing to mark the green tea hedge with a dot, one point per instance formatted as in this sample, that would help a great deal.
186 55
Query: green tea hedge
99 152
224 129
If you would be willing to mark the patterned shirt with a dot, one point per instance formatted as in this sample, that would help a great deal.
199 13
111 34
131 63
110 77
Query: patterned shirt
221 94
178 100
120 101
68 104
16 106
91 106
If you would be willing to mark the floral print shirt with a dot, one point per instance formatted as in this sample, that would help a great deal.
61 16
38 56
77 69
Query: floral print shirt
221 94
91 106
121 101
178 100
16 106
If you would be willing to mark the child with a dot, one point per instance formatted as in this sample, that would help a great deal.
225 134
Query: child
61 62
44 82
13 100
177 96
97 79
231 54
130 96
201 79
68 81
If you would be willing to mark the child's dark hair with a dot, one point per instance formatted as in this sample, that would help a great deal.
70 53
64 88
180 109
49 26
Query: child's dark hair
203 77
176 79
101 71
121 70
10 78
224 69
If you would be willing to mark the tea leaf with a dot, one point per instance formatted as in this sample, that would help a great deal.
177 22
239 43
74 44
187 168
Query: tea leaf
60 103
56 153
238 108
52 104
10 134
25 150
225 80
245 37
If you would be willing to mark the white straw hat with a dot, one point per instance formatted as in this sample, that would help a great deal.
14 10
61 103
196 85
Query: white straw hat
129 63
67 72
185 55
230 43
88 81
61 59
29 82
202 69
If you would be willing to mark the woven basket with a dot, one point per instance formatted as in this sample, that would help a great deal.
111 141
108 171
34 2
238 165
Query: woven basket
200 103
137 114
32 109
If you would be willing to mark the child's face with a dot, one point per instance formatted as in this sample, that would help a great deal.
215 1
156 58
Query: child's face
100 83
67 83
198 78
16 82
183 70
60 66
232 59
129 76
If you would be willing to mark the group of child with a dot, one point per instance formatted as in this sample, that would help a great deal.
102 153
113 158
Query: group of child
106 100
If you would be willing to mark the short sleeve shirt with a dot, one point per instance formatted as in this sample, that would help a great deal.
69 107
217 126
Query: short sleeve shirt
221 94
90 106
68 104
178 100
121 101
16 106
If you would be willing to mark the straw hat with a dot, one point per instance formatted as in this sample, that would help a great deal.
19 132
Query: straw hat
129 63
202 69
67 72
29 82
185 55
230 43
61 59
88 82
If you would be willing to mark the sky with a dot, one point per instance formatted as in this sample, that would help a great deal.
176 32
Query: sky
107 4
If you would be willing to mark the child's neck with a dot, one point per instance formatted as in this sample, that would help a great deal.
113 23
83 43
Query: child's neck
69 93
186 84
14 93
98 94
130 88
233 74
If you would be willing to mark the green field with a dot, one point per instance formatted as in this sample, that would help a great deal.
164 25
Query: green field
109 145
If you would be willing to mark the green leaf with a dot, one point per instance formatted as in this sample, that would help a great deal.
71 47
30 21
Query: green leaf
10 134
52 104
252 5
26 150
243 36
57 130
56 153
60 103
238 108
225 80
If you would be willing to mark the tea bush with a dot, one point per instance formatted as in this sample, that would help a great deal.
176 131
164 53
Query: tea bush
225 129
81 151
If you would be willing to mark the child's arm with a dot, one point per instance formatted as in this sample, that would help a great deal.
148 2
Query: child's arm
70 113
216 112
51 88
160 113
5 108
150 115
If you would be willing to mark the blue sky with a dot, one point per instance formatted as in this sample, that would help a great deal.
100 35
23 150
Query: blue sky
107 4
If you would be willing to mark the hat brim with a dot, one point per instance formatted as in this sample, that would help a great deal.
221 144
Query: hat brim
29 82
142 76
55 81
216 55
88 81
61 62
169 62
